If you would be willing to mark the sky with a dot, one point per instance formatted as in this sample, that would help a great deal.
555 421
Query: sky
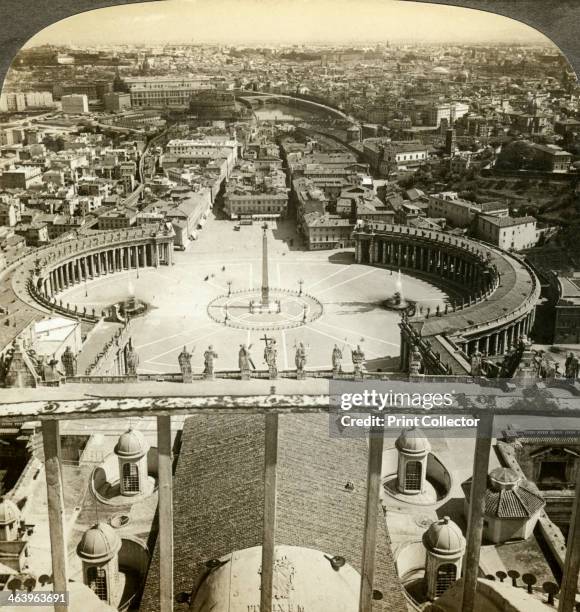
285 21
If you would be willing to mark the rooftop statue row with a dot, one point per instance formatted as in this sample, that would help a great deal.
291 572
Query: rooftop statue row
246 363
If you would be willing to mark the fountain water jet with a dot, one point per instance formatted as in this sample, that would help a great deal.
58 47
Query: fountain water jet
397 300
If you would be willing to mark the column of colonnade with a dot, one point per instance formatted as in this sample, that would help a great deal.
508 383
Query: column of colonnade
498 341
422 257
448 263
111 260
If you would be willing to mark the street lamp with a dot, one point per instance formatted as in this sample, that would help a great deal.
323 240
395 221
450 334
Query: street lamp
300 282
229 288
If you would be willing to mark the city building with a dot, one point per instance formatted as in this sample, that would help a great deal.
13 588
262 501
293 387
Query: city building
326 231
448 111
117 219
75 104
21 177
242 202
202 151
117 101
461 213
565 312
159 92
509 233
387 156
552 158
12 102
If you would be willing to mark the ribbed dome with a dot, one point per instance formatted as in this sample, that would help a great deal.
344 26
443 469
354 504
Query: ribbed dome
413 441
131 445
99 544
444 537
9 512
503 478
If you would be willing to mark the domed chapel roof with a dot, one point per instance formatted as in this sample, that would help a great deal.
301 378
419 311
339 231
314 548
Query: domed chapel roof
99 543
413 441
9 512
444 537
131 445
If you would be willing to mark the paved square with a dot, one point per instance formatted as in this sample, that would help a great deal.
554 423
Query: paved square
351 296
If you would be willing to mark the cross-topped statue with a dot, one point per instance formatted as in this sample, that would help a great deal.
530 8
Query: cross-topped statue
184 360
270 355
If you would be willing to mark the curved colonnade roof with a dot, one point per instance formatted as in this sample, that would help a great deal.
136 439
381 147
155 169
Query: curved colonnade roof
517 285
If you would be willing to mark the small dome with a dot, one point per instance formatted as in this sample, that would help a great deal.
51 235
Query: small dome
503 478
444 537
413 441
9 512
131 445
99 544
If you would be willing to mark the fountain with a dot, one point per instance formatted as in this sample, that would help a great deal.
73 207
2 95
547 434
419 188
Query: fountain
397 301
128 308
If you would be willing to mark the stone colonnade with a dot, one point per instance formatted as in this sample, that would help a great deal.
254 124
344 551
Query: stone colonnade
83 267
445 260
498 340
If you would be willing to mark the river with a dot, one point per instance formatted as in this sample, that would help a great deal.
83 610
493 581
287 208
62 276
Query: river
282 112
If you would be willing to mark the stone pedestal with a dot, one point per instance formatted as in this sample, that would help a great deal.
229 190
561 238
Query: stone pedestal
187 377
358 373
245 374
272 373
300 374
209 375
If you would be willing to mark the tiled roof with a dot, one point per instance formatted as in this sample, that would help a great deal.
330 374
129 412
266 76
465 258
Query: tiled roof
519 502
508 221
522 501
219 495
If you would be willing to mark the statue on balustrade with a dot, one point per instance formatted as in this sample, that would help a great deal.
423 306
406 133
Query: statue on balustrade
476 364
131 359
209 358
358 360
572 367
69 361
300 360
49 370
336 359
245 362
546 367
415 361
270 356
184 360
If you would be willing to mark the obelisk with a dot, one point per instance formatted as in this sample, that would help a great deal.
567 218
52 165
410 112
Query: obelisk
265 288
